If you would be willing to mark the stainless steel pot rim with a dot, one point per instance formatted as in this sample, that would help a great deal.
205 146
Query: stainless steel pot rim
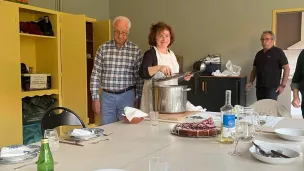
171 86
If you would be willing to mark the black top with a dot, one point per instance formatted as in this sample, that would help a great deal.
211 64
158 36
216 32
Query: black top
269 66
298 76
149 60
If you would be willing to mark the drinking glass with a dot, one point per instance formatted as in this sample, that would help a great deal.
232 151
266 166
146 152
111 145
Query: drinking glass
159 164
154 118
52 135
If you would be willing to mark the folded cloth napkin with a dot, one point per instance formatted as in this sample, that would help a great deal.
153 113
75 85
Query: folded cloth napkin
81 132
191 107
294 147
13 151
130 113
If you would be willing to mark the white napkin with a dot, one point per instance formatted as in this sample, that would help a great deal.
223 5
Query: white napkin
191 107
219 74
294 147
130 113
81 132
13 152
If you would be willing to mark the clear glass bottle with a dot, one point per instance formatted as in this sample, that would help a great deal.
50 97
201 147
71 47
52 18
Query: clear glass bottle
45 161
228 121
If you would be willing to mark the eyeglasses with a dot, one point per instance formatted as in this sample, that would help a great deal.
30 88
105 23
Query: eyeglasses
266 39
123 33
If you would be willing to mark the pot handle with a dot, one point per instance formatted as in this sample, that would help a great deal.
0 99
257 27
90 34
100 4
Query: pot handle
187 89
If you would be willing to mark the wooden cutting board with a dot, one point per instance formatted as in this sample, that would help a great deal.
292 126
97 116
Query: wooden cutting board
177 117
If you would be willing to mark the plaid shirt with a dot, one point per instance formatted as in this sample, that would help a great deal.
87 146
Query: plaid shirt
116 69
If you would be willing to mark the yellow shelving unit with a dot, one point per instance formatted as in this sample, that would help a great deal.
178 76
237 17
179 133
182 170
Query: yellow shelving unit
62 55
36 36
39 93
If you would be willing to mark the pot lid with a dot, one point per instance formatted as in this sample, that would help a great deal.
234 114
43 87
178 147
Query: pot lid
167 78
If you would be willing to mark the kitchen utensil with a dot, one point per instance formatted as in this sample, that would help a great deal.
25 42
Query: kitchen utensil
17 168
95 142
104 134
170 98
179 75
64 142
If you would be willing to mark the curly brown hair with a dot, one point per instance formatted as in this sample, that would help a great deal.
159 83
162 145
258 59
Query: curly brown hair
157 28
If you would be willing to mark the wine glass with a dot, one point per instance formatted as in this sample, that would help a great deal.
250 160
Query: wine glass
238 135
52 135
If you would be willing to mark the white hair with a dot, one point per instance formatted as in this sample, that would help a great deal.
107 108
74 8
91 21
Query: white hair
122 18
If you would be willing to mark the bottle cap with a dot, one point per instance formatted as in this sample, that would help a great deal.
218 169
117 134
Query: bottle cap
44 141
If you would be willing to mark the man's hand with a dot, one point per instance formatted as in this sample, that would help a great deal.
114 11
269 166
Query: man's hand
137 103
96 106
296 102
280 89
249 86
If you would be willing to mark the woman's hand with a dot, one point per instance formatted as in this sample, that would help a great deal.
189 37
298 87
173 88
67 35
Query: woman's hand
188 76
165 70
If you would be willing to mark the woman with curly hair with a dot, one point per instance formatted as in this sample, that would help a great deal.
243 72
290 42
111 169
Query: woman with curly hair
158 61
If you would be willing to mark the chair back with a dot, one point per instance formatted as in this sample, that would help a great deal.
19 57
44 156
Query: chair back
67 117
272 107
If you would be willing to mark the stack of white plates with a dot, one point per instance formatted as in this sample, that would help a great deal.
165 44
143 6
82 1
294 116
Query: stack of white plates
290 134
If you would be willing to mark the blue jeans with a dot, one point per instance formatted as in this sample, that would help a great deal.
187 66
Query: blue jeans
112 105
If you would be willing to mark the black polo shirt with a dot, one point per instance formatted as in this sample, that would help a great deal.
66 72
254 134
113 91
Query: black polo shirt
269 66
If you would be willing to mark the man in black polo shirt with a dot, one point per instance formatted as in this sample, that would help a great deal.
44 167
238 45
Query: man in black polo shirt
267 68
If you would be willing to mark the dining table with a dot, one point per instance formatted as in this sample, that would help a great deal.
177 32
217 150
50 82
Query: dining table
131 146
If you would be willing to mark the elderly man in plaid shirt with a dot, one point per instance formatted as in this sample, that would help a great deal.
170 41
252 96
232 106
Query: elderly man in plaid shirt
116 72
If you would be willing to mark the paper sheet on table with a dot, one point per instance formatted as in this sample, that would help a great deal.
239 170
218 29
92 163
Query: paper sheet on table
290 146
271 121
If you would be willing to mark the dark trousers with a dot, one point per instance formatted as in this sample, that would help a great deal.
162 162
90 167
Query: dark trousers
266 93
302 103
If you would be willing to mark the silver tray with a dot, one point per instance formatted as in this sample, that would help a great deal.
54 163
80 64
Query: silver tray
97 133
175 132
35 151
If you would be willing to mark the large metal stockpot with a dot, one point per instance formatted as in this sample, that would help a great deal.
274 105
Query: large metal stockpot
170 98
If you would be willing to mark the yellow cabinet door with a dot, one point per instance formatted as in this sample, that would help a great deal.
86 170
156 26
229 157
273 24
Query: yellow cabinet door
10 86
101 34
73 64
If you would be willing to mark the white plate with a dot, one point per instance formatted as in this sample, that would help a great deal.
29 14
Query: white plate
286 151
96 133
290 134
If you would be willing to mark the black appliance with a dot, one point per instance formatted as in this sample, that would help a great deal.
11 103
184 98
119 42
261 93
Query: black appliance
211 62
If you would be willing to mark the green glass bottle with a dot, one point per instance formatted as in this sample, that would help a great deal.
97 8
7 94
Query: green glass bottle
45 161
